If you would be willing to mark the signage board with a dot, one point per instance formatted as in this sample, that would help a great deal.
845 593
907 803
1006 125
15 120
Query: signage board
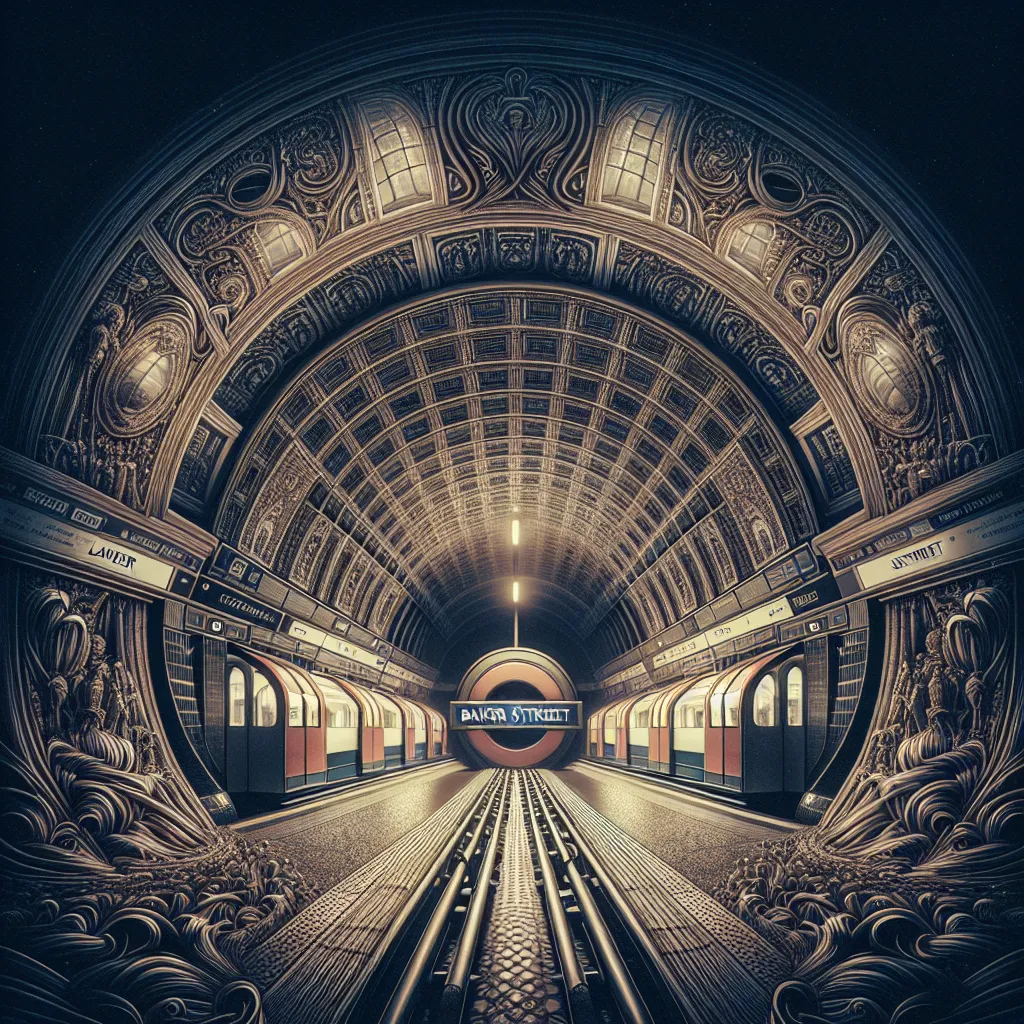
516 714
972 537
35 530
731 629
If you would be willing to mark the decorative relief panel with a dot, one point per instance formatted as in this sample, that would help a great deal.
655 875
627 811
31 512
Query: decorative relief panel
266 208
139 347
503 251
521 136
204 452
764 207
901 361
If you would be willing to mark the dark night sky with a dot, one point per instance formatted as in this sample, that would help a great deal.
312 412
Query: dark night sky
92 88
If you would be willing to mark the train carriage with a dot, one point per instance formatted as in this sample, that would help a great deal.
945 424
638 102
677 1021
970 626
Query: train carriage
741 728
275 738
287 728
343 727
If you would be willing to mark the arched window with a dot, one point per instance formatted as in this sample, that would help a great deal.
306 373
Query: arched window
264 701
236 696
282 245
764 701
750 243
732 705
399 159
634 156
795 695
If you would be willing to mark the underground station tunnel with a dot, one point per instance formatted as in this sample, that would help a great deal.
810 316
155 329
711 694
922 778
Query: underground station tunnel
519 527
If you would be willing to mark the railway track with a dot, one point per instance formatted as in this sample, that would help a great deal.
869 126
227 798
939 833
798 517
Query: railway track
517 919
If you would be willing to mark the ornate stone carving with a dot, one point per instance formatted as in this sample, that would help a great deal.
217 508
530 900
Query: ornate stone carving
890 902
265 208
122 898
137 351
763 206
522 136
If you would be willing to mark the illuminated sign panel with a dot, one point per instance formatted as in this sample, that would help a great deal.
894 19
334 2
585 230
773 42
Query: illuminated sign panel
972 537
516 714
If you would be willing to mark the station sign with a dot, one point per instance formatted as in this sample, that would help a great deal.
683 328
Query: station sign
59 534
516 714
971 537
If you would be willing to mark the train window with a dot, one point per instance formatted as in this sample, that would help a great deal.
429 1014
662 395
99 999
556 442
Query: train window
795 695
339 711
294 708
716 711
694 716
732 705
390 719
764 701
312 709
264 702
236 696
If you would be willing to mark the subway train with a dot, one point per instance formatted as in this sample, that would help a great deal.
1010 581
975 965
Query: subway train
743 728
287 728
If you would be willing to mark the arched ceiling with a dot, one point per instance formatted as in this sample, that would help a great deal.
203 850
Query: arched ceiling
373 307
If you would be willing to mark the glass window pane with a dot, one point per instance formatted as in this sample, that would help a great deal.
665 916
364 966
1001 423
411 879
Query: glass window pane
795 696
236 697
294 708
264 701
716 711
312 709
764 702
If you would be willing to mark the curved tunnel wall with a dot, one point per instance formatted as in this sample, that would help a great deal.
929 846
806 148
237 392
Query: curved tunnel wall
292 387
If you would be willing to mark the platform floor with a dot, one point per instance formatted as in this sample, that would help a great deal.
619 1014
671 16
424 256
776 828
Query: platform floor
699 837
332 837
369 850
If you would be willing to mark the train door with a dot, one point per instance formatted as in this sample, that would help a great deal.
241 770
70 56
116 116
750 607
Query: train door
714 731
638 737
342 719
608 732
688 732
391 720
237 740
762 740
791 679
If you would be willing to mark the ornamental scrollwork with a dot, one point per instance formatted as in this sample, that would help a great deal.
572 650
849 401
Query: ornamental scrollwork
123 899
522 136
265 208
139 347
761 205
893 902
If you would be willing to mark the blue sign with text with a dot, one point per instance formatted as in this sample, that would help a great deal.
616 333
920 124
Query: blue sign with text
516 714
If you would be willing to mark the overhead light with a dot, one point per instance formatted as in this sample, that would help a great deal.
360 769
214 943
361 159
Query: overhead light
515 591
515 531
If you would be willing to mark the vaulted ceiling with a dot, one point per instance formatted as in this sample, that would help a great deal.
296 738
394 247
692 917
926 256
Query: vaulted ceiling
393 298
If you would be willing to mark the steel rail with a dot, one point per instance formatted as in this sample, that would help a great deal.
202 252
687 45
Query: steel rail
638 932
401 1002
576 987
430 878
631 1003
453 998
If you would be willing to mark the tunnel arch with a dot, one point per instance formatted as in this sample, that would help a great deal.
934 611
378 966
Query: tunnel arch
253 320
